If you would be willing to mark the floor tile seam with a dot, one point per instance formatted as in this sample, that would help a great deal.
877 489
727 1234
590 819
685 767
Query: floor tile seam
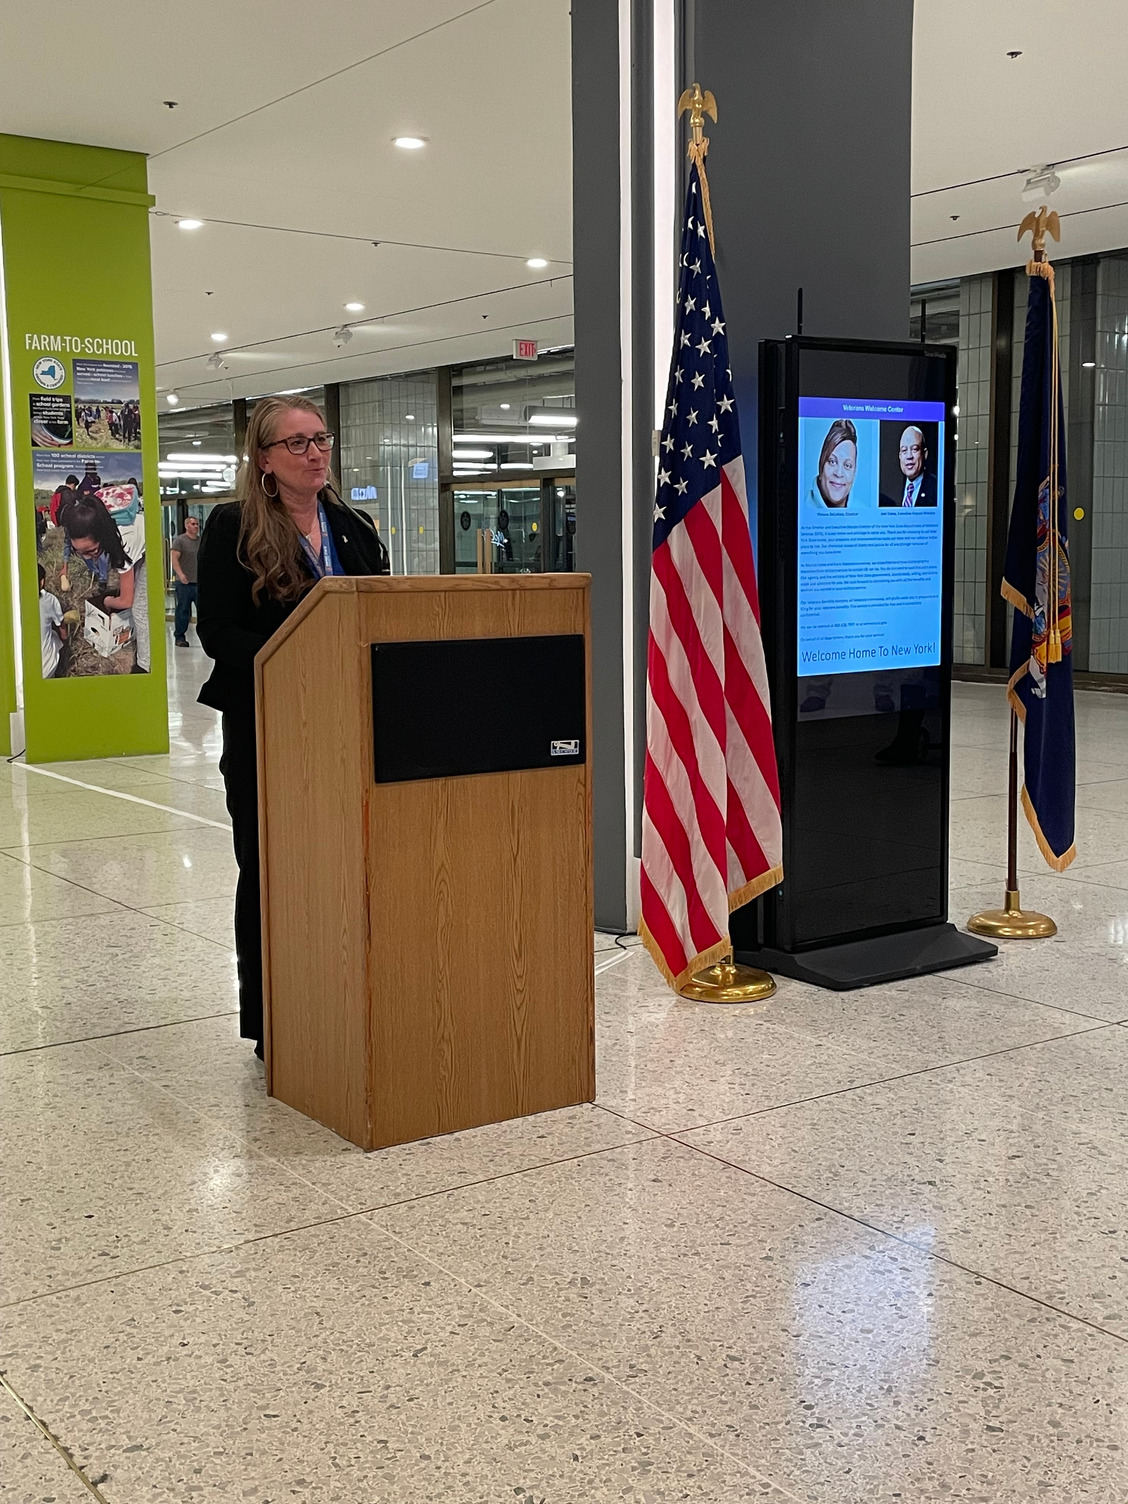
125 907
128 798
480 1296
50 1437
173 777
593 1365
899 1238
349 1209
164 830
60 1044
151 913
1015 997
1077 874
844 1091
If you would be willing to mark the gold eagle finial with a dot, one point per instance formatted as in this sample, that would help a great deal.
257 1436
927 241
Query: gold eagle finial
1040 223
699 105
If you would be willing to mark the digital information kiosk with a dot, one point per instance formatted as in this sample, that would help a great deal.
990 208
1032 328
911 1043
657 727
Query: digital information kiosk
856 528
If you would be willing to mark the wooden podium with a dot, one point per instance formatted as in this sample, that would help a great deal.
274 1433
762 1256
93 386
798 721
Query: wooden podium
427 940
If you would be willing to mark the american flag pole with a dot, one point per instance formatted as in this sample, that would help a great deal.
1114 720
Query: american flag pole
711 832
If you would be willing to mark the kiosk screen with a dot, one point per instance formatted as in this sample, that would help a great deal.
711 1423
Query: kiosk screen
870 535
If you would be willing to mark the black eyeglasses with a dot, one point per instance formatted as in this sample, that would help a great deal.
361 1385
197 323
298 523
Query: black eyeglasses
298 443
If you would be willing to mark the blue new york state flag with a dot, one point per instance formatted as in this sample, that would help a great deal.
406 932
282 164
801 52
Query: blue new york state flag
1036 582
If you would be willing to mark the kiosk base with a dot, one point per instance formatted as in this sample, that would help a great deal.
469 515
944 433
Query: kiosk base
885 958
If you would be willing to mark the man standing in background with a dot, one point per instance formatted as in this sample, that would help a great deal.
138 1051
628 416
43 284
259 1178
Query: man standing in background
185 547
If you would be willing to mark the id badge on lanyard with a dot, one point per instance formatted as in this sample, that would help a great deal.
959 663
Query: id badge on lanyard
323 564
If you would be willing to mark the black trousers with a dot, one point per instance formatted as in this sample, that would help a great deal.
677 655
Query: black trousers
239 766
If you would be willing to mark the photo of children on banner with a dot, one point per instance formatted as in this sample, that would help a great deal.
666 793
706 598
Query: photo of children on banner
53 630
92 559
908 465
107 405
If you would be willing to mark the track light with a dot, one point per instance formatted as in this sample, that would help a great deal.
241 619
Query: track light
342 335
215 362
1040 183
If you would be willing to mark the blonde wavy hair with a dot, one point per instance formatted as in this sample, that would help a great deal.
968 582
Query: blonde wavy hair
269 543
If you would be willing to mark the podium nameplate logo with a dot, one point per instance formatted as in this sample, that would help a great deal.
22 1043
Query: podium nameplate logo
569 748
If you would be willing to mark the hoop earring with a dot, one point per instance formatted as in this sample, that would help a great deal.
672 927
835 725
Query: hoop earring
262 482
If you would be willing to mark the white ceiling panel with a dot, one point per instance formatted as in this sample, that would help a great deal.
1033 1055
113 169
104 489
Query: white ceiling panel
978 113
282 142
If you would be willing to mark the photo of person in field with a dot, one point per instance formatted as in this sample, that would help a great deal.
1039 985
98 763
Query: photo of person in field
107 405
92 556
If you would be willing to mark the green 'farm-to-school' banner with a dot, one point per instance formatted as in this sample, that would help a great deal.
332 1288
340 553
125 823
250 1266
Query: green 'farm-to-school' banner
80 412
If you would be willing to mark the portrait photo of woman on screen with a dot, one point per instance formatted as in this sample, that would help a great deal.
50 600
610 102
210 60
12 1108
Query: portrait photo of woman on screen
838 465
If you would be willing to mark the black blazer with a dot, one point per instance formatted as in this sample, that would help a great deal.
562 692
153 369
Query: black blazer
231 627
926 496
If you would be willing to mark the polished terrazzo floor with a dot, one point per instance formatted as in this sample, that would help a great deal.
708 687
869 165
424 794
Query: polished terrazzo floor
839 1248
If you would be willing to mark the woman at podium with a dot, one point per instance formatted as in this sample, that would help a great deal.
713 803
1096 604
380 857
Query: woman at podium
258 557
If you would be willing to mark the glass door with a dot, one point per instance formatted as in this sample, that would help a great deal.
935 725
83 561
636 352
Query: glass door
528 528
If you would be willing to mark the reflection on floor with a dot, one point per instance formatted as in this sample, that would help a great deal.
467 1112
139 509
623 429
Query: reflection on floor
837 1248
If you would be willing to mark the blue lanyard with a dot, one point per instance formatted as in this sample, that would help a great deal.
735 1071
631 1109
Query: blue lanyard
327 562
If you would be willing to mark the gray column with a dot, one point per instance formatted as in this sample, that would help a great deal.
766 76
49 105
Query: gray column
599 459
808 171
810 183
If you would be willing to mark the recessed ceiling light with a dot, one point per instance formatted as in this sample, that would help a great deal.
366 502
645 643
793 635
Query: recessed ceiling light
189 224
172 399
1088 365
196 443
536 262
354 307
409 417
505 407
409 143
220 338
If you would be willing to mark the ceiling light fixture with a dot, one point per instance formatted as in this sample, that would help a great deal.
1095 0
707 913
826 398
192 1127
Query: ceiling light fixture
538 263
409 143
343 334
472 454
1040 183
221 339
214 361
553 417
409 417
1088 365
199 459
189 224
354 307
496 436
172 399
504 407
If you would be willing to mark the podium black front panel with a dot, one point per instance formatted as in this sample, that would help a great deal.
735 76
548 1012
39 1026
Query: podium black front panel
477 705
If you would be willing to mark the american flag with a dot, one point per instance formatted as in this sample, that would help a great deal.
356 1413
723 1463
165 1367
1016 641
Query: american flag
711 833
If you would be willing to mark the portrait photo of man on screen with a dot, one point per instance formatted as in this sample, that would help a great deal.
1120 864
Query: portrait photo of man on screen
908 465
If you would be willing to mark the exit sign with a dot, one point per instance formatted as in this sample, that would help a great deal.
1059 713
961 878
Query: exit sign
525 349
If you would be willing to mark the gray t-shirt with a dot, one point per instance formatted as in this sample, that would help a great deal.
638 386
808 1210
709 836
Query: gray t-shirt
187 548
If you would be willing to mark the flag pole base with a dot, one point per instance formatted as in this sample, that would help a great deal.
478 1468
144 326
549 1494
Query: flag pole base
728 982
1012 922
